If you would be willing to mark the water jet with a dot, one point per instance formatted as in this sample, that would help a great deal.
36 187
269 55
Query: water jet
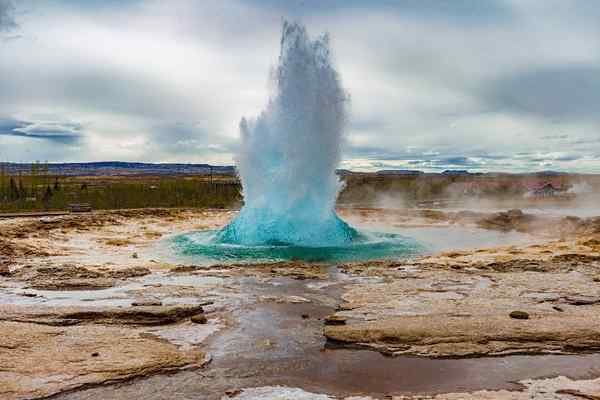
287 165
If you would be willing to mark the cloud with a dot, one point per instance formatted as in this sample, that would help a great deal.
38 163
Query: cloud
495 85
7 20
569 91
59 132
457 11
187 138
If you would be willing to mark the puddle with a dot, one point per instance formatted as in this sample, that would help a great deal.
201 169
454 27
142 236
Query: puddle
281 344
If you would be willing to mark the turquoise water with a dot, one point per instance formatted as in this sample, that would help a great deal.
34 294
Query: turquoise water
206 246
301 227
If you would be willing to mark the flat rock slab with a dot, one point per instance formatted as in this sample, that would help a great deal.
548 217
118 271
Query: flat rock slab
446 336
38 360
75 277
448 313
65 316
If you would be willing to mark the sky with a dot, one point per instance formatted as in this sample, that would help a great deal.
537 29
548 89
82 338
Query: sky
482 85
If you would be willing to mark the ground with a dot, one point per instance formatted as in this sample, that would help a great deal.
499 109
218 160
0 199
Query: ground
505 305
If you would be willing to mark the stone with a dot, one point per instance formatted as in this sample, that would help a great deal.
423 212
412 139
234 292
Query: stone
578 300
335 320
233 392
519 315
4 270
199 319
66 316
146 303
49 360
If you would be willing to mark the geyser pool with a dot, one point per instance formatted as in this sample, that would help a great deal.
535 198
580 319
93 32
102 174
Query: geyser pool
287 164
365 246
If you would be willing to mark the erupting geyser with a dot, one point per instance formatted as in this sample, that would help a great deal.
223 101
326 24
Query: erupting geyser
290 152
287 162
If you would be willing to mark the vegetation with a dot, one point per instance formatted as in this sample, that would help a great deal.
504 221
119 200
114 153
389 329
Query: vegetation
40 191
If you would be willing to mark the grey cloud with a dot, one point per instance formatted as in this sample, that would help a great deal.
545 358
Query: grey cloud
95 88
457 11
188 138
60 132
570 91
554 137
7 19
571 157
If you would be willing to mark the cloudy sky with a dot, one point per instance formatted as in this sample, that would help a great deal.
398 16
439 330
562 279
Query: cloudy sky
510 85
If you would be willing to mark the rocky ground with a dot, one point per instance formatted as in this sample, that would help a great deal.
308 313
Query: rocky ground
90 300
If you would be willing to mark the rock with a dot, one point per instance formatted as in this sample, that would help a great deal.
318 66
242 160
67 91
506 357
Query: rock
557 308
4 270
66 316
74 277
72 284
578 300
96 354
199 319
335 320
185 269
133 272
305 316
134 255
48 360
296 300
519 315
146 303
233 392
507 221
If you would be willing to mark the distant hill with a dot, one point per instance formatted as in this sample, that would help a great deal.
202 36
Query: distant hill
409 172
121 168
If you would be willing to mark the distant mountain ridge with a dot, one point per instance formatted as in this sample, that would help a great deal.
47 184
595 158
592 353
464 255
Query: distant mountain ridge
117 168
121 168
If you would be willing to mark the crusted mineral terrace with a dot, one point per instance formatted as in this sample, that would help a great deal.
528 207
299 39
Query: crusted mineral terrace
93 299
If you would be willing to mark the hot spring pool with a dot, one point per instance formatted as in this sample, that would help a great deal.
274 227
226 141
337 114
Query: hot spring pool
205 246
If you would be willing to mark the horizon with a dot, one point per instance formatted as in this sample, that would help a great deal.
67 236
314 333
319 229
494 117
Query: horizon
501 86
356 171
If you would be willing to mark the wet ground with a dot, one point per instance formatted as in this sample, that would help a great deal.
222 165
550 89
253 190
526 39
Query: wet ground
282 344
266 323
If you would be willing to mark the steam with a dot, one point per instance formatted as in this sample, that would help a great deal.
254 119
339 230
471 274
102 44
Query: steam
289 153
581 188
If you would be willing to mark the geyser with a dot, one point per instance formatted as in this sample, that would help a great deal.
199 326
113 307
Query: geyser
289 153
287 162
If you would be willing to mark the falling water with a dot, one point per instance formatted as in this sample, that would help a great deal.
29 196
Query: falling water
290 152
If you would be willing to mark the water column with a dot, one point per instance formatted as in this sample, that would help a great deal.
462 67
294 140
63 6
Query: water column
289 153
